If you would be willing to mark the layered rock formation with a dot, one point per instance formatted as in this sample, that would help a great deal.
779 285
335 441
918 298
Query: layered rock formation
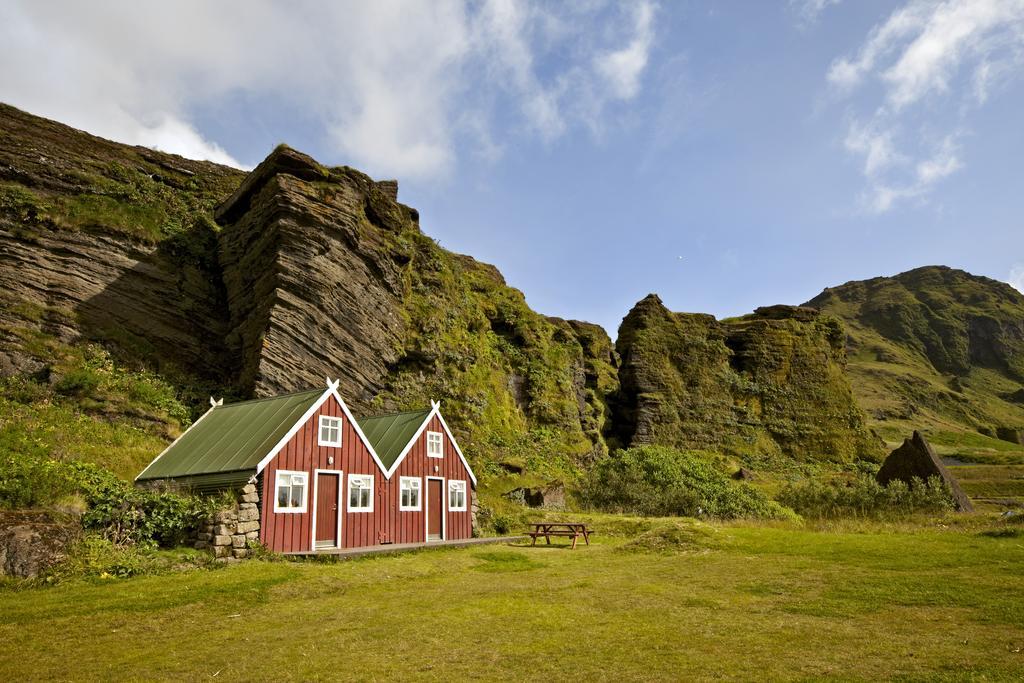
768 384
109 242
313 269
327 274
312 272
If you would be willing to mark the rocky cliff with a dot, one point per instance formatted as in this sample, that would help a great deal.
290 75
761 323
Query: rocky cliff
109 242
934 347
766 385
327 274
134 283
203 279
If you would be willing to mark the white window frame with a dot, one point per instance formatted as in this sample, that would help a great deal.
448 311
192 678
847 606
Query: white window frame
457 485
402 482
305 491
353 478
320 441
439 440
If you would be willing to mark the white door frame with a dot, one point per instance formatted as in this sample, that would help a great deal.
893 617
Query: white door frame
444 511
316 500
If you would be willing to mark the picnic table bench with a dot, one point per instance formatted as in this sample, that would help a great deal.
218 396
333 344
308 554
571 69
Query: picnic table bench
574 530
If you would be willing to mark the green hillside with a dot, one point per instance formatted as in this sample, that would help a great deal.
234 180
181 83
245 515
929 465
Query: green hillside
940 350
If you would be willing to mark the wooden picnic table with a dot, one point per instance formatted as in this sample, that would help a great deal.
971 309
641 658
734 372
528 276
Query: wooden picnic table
570 529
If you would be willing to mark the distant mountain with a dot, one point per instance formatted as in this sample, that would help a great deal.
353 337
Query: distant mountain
934 348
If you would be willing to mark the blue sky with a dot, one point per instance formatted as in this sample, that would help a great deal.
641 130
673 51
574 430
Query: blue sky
778 148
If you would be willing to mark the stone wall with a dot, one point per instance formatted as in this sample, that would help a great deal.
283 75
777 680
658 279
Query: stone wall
228 533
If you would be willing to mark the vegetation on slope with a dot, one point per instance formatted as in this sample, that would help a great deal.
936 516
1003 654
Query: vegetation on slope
942 351
84 406
52 176
527 391
659 481
934 347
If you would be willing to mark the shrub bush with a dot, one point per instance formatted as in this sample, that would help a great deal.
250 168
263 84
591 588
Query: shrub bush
862 496
658 481
96 557
118 511
30 482
126 514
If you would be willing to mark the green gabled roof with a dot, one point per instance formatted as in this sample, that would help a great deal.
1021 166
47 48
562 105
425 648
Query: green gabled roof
390 434
232 438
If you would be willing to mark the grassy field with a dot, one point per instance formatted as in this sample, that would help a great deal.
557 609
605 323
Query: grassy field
734 602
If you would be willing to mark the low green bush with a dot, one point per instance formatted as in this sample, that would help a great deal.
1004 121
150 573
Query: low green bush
115 509
492 522
31 482
659 481
862 496
681 536
97 557
128 515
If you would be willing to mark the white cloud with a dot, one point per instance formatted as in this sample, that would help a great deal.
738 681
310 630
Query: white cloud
394 87
809 11
874 145
941 164
623 68
912 180
1016 278
924 52
178 137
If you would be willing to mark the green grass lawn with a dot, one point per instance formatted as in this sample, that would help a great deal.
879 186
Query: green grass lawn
740 602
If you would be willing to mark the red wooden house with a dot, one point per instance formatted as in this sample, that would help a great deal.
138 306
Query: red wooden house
326 481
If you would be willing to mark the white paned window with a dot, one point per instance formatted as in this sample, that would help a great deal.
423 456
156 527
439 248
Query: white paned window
457 496
410 492
435 445
291 488
330 431
360 493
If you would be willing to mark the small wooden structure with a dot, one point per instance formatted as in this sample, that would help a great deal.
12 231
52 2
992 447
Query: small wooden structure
324 481
574 530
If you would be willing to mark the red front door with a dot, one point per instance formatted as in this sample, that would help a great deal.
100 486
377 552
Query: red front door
435 509
327 487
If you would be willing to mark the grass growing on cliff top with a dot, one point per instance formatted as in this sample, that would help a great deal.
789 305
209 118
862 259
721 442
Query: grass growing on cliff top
517 385
739 602
82 406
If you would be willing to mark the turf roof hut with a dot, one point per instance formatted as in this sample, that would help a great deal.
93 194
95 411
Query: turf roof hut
324 480
915 459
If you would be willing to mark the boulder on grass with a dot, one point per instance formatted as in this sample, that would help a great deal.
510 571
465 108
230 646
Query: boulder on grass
31 543
916 458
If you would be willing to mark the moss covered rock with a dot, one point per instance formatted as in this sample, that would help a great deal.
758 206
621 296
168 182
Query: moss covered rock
768 384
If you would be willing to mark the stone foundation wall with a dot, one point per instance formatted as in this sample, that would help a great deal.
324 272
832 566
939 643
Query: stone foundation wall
228 533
